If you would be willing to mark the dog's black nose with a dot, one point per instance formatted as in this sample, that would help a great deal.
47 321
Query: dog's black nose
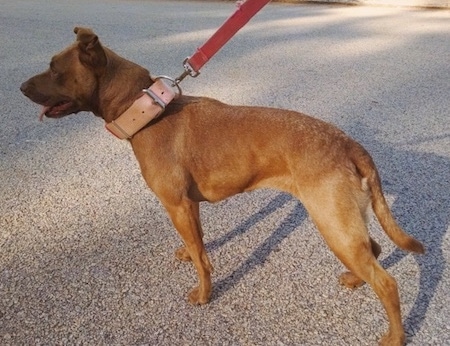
23 87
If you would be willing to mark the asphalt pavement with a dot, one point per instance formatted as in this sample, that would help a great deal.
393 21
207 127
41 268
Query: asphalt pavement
86 250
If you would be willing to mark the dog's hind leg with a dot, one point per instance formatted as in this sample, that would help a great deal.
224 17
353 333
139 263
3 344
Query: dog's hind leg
366 267
349 279
186 219
335 209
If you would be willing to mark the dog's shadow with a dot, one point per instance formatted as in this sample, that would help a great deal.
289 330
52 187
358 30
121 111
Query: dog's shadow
420 184
261 253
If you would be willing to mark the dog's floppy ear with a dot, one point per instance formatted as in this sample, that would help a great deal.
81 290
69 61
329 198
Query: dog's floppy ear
92 52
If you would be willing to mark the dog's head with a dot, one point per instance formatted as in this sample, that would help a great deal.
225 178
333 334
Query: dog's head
71 82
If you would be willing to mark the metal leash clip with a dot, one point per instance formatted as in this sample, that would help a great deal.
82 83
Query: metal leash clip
188 71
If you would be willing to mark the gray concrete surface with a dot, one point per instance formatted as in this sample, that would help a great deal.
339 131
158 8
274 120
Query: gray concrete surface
444 4
86 251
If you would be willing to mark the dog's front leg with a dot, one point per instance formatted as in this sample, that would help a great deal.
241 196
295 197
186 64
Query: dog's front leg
182 253
186 219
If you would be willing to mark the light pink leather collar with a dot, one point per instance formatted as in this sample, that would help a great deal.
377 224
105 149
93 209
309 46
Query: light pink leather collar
146 108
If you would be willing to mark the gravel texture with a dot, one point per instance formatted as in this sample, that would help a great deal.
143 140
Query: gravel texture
86 250
409 3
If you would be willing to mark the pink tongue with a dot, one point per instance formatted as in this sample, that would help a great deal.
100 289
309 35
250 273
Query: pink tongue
43 111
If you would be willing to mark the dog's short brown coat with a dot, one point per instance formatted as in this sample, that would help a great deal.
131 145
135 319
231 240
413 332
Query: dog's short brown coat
204 150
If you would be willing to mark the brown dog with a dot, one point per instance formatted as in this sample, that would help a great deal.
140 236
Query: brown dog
203 150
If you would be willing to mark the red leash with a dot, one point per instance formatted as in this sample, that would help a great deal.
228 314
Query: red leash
154 100
245 11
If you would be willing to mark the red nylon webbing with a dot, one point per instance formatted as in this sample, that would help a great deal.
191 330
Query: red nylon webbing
231 26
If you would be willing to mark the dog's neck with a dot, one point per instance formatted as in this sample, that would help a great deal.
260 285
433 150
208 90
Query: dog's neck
111 101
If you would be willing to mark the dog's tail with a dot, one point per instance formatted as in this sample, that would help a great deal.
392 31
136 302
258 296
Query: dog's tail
368 170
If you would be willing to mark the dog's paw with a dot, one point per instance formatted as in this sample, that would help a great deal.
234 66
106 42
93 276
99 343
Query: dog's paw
183 255
196 297
393 340
350 280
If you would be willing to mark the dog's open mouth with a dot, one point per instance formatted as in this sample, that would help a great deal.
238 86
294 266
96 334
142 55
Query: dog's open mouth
58 110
